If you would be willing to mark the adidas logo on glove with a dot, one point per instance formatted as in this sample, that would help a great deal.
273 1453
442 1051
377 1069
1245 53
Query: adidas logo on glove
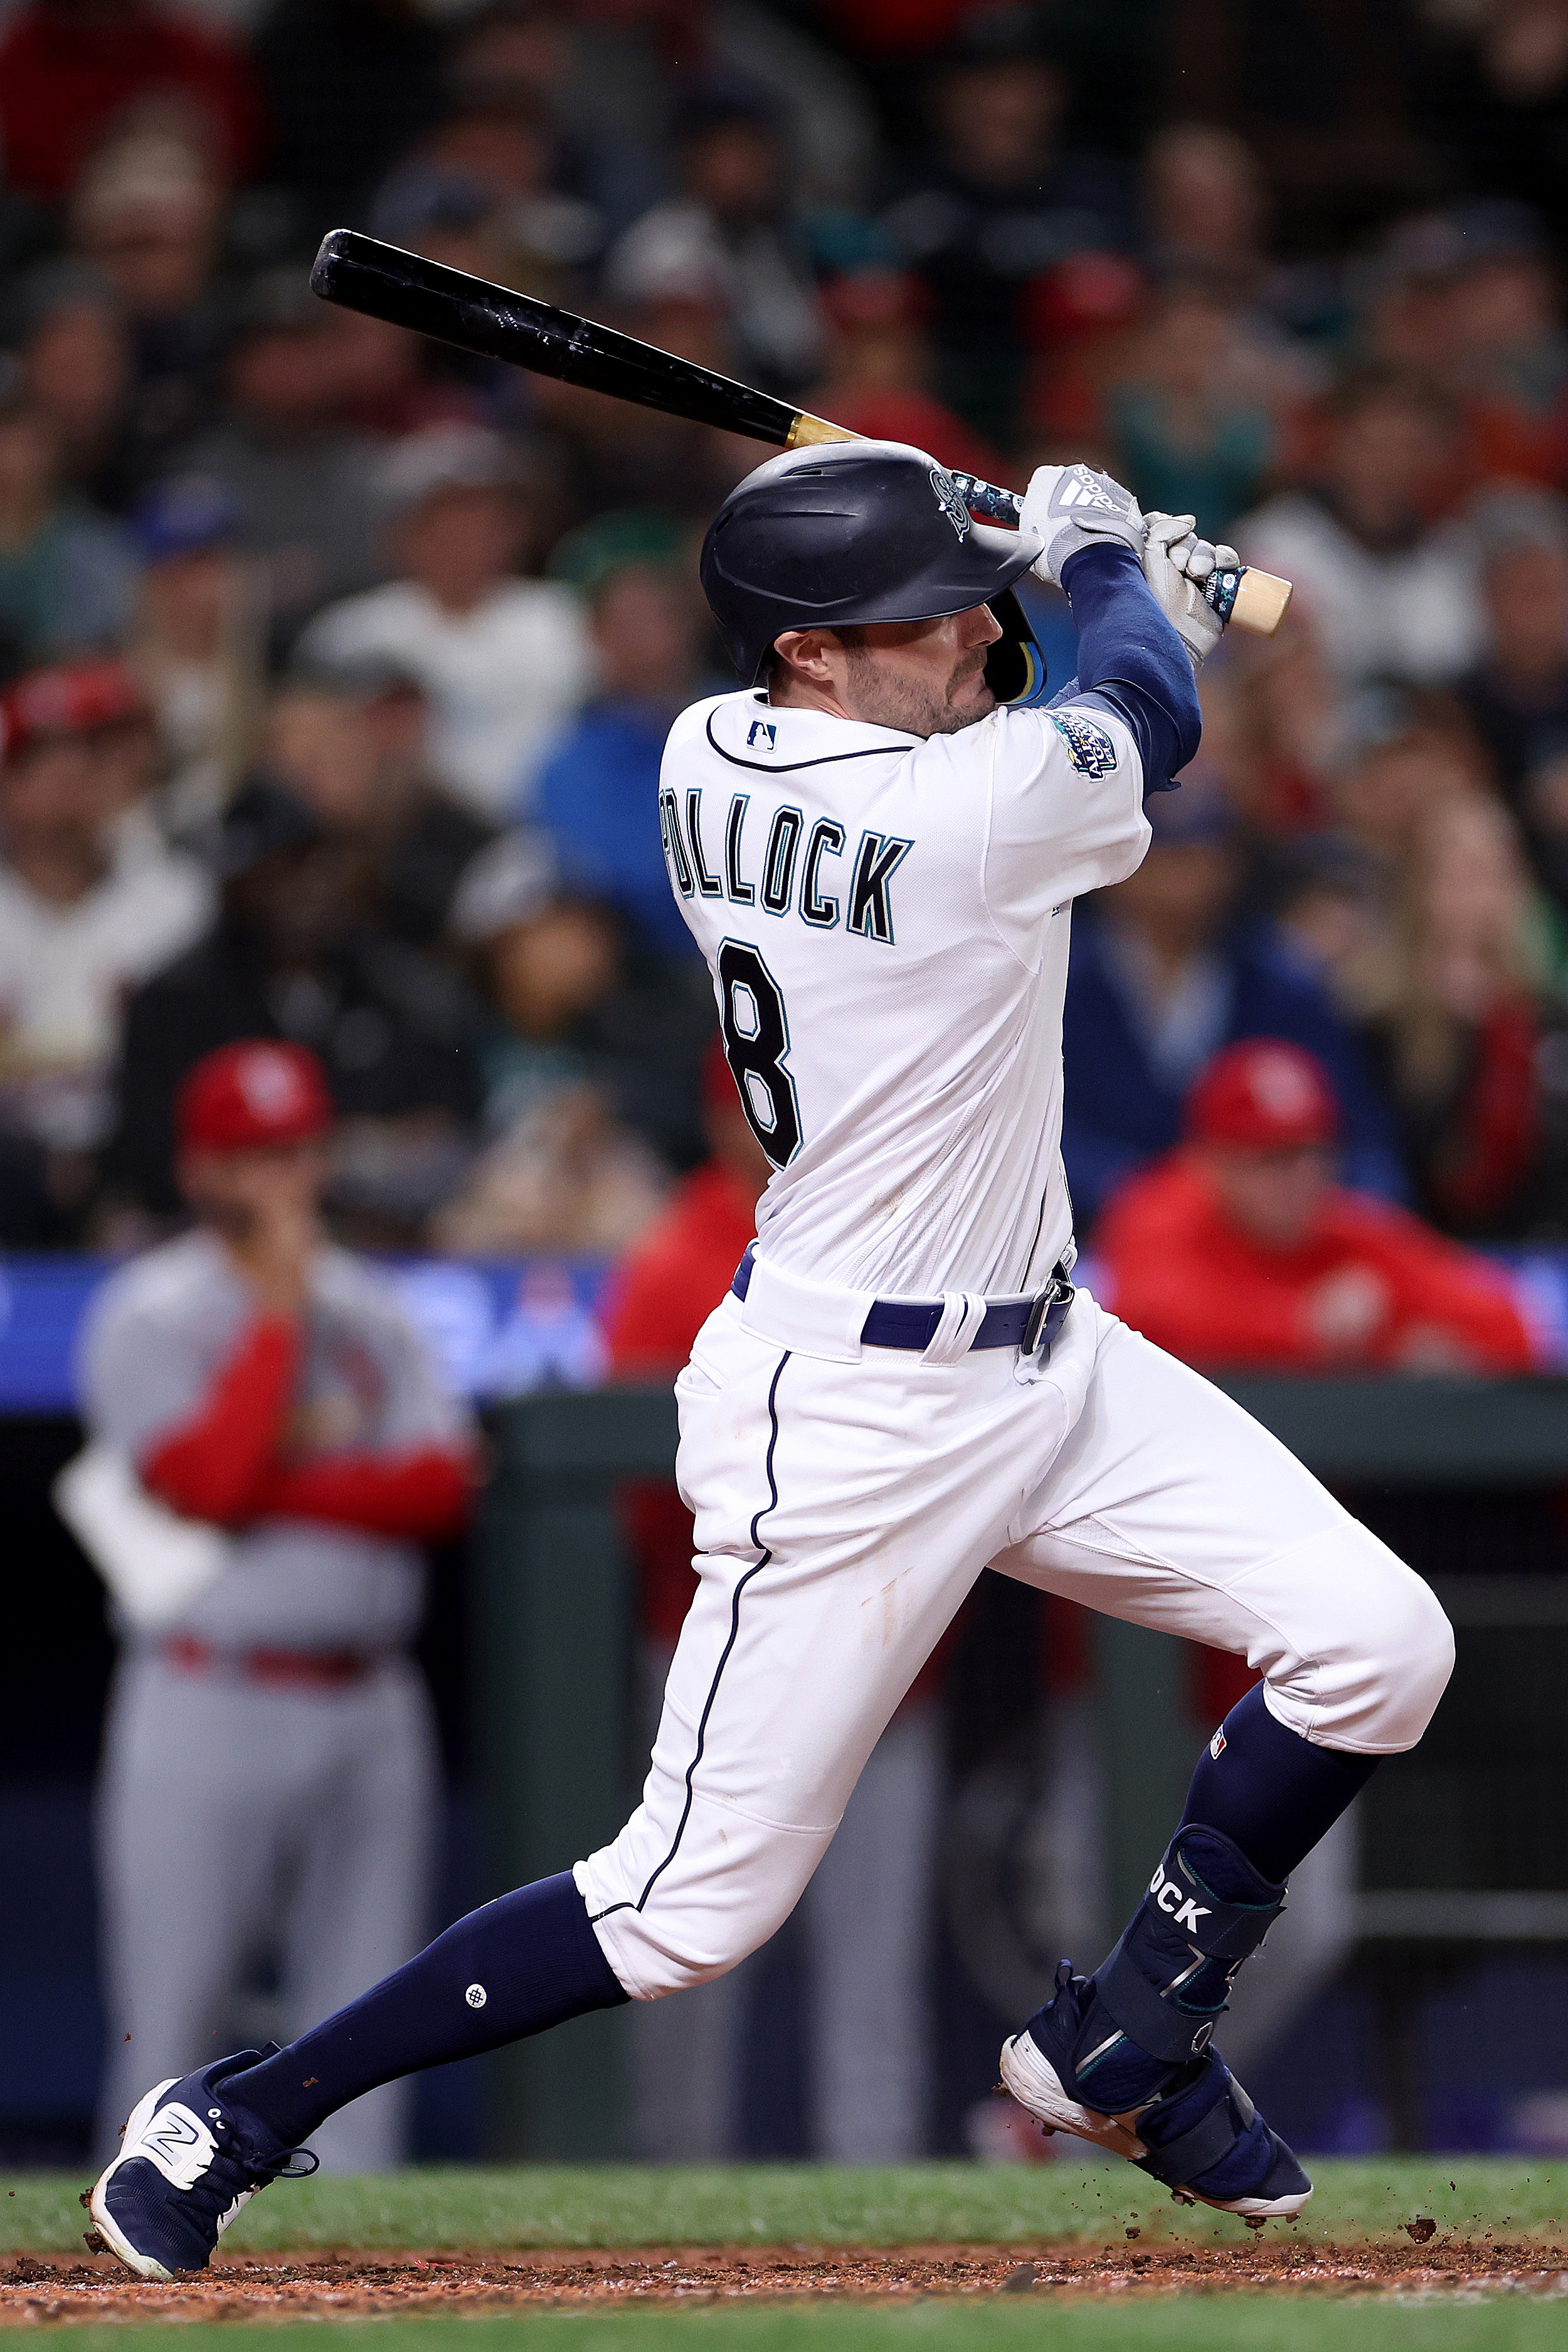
1081 487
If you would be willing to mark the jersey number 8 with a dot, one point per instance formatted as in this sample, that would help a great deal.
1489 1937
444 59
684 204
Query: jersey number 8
756 1041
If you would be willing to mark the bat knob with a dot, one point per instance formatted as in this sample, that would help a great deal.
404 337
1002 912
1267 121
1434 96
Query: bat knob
1252 600
1260 602
331 250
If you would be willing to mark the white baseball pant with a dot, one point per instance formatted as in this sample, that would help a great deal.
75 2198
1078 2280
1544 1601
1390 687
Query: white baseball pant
846 1500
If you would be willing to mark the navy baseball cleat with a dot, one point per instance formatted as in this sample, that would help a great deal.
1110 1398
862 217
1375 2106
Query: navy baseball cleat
186 2165
1199 2132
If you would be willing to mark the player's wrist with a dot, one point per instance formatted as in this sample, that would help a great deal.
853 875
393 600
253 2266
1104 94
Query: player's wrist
1101 558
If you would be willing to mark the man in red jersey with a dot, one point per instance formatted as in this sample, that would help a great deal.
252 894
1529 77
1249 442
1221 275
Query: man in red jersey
1241 1248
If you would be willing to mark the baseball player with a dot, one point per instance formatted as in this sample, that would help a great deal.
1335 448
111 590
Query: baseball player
269 1737
902 1387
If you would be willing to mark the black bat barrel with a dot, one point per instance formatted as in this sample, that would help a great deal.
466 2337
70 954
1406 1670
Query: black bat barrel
361 273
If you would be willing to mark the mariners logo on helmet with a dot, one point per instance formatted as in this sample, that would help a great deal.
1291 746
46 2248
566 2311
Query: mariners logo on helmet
950 502
1089 747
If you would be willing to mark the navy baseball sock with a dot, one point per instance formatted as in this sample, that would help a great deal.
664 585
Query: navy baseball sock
524 1962
1272 1792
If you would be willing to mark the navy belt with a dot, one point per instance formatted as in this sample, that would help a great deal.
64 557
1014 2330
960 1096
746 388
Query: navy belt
1026 1323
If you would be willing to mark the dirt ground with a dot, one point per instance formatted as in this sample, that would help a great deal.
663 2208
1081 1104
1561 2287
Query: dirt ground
346 2284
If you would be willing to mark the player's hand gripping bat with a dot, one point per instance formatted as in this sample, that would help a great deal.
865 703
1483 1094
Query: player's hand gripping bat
361 273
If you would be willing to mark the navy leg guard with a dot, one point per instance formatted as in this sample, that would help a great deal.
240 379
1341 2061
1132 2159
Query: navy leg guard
1168 1979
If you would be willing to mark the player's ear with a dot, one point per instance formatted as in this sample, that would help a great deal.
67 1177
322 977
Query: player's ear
803 651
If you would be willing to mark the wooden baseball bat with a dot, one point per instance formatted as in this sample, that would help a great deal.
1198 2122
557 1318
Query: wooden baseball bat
362 273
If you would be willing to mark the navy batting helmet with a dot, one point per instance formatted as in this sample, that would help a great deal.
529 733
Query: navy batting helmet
845 532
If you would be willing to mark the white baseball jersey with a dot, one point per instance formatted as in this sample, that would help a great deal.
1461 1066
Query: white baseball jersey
887 921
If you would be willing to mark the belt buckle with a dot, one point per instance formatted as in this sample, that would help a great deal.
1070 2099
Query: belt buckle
1058 1291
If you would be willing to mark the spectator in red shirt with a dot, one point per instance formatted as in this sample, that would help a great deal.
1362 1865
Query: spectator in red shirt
1240 1247
864 1913
72 70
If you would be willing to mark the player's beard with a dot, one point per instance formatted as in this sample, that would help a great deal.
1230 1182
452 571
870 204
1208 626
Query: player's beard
884 697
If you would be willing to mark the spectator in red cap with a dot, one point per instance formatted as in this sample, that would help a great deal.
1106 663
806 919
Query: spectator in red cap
1241 1248
71 70
255 1095
865 1911
91 903
268 1726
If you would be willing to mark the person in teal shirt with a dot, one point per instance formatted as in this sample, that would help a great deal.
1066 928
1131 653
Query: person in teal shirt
68 575
1190 423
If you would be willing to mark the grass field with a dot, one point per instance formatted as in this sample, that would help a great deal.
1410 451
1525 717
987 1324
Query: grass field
865 2205
1504 2226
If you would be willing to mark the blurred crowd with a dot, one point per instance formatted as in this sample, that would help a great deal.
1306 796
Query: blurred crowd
335 666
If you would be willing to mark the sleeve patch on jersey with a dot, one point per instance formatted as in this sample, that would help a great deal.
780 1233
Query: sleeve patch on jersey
1089 747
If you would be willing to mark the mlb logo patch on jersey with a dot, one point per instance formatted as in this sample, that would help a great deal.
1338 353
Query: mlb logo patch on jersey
1089 747
762 736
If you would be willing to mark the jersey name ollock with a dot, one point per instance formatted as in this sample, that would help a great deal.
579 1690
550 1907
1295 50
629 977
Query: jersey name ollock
786 874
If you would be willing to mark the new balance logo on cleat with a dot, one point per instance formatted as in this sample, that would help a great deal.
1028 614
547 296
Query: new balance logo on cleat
177 2142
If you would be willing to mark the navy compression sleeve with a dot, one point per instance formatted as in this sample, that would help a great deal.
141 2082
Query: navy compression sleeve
1130 658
